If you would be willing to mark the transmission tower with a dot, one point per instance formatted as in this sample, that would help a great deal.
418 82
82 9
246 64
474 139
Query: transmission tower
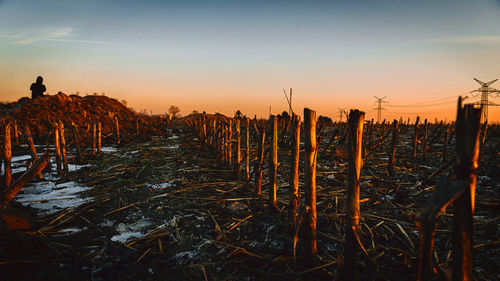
379 108
485 91
342 111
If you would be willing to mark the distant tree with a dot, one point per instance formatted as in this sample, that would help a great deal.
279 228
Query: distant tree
103 93
95 94
77 93
195 112
238 114
173 109
124 102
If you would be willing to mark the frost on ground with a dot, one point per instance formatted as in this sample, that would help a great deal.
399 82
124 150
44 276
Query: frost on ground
159 185
48 197
188 257
108 149
18 164
131 230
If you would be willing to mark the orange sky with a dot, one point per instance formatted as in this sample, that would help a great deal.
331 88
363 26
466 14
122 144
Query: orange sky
225 56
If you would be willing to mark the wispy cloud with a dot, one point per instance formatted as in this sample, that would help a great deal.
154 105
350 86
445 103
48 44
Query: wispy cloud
78 41
9 36
478 40
56 35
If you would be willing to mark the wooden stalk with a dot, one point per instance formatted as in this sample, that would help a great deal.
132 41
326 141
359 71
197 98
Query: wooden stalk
7 154
445 144
394 141
426 223
310 181
372 128
237 151
117 128
352 226
204 128
214 135
467 129
294 170
224 141
63 146
247 149
382 136
94 136
31 144
484 129
424 142
137 127
415 138
366 140
77 143
57 145
99 135
273 162
260 160
229 142
16 133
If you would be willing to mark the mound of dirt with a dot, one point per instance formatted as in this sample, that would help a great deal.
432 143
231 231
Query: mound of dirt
40 112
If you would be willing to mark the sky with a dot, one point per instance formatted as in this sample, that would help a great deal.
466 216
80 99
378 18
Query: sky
223 56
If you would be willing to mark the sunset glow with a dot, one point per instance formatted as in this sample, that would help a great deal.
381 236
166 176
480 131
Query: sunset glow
221 56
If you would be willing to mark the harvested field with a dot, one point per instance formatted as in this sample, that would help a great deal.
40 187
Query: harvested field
170 209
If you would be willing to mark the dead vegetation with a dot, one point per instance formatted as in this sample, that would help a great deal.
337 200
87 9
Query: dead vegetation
194 219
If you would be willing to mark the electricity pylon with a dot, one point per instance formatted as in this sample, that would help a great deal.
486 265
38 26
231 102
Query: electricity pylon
342 111
485 91
380 108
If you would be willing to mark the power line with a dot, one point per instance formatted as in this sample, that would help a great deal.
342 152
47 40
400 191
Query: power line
429 103
423 105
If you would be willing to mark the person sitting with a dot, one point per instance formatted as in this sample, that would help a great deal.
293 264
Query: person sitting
37 89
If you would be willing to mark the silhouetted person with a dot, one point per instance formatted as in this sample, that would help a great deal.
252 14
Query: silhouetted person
37 89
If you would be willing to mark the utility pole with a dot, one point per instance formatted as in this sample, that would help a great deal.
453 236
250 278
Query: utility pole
380 108
485 91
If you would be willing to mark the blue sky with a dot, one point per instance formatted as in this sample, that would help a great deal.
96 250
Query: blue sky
225 55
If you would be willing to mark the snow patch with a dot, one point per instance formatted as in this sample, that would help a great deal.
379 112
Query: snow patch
124 237
159 185
70 230
48 198
106 223
186 257
108 149
75 167
132 230
20 158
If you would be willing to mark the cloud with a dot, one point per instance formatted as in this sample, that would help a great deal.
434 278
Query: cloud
56 35
9 36
79 41
46 35
477 40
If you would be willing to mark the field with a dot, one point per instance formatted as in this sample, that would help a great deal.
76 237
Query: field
167 200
